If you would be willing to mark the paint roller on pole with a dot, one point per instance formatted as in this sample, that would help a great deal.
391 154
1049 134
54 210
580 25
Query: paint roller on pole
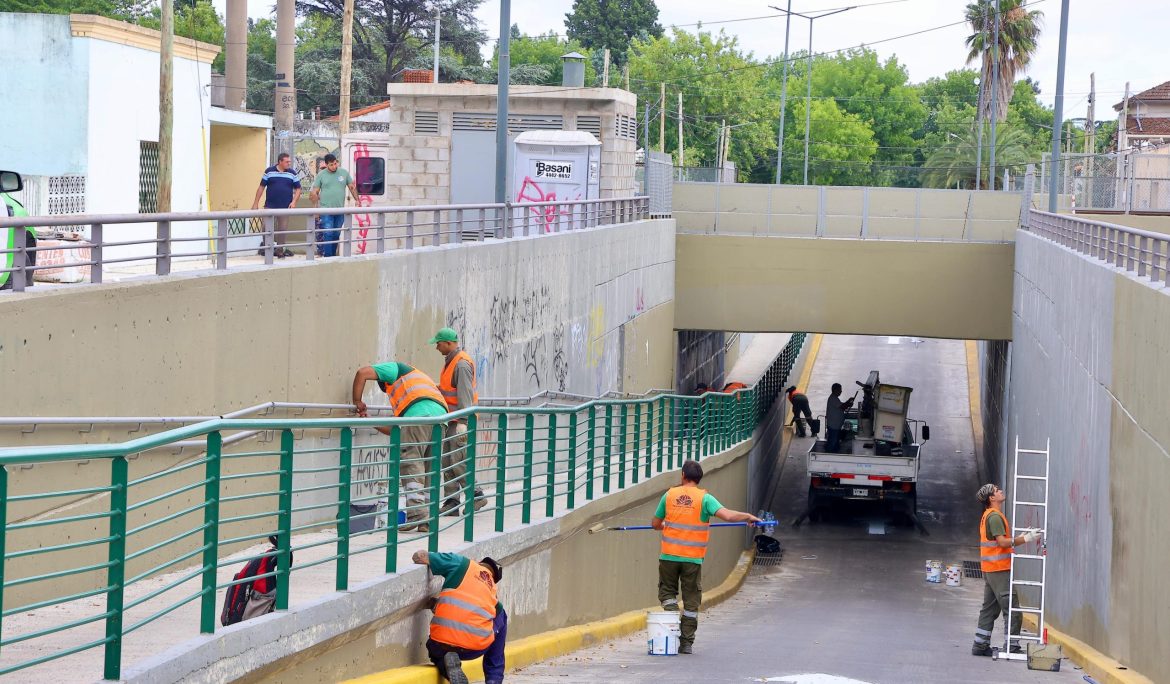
768 523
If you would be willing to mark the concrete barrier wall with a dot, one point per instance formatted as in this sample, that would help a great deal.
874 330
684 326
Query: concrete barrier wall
878 213
556 575
1089 372
863 287
586 312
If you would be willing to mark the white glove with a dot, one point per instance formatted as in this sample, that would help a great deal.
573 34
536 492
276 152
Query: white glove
1032 535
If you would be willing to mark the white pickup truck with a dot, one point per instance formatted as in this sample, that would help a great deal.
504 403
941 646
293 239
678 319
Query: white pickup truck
865 467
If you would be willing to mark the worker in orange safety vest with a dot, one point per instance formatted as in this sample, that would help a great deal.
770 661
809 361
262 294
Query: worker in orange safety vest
683 517
469 620
996 545
458 385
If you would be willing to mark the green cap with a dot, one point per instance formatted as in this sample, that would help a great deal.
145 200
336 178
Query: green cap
444 335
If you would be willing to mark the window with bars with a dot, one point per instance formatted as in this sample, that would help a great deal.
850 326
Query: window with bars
147 177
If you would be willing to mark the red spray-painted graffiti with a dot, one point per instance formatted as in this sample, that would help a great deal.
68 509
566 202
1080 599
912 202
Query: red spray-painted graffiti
362 222
531 191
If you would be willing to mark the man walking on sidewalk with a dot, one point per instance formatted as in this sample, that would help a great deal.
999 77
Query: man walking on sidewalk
683 517
996 545
281 189
328 191
458 385
469 619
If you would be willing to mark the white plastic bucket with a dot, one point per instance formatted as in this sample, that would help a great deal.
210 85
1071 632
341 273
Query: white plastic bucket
954 574
934 571
662 630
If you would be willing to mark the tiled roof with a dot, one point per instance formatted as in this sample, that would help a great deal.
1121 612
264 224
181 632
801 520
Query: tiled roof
1149 125
1158 92
355 113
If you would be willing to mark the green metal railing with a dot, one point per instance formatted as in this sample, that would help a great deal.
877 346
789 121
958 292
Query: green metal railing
159 538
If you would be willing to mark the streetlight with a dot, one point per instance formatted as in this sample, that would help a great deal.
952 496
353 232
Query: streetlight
808 75
783 93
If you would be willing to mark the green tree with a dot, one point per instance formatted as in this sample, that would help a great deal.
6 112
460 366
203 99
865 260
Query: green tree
394 32
842 145
1018 30
547 50
194 19
953 165
261 64
718 83
613 24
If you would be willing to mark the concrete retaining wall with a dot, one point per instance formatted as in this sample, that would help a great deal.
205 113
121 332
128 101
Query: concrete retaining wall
556 575
585 312
1089 372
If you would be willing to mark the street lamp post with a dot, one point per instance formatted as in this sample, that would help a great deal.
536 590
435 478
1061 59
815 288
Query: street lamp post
783 92
808 76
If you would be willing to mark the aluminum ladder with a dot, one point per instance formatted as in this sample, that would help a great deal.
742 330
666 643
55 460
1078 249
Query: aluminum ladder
1029 569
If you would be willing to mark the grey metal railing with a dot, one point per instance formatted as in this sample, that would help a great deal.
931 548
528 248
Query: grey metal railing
367 230
1141 252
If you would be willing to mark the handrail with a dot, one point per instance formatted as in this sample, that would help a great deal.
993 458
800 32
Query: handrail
365 230
186 516
1142 252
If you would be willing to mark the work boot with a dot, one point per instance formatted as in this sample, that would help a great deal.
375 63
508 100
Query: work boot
1016 648
480 499
450 507
981 650
454 669
416 522
685 649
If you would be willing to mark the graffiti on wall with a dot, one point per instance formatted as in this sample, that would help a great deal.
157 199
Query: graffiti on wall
530 191
361 222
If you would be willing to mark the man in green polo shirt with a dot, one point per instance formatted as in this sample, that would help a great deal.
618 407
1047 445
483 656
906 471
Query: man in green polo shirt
683 516
328 192
420 399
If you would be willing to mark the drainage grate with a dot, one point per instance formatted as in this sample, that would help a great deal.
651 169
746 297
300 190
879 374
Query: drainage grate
764 562
972 570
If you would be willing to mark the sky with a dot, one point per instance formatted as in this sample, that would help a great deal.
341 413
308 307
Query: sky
1119 40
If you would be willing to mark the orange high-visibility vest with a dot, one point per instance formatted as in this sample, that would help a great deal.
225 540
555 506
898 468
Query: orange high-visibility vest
410 388
447 384
992 556
464 615
684 533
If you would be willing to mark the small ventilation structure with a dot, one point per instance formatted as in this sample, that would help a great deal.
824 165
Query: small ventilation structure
589 124
426 123
483 121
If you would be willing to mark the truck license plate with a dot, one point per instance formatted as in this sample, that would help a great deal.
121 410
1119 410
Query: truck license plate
861 492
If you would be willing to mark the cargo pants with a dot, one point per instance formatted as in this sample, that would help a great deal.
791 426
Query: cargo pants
412 473
676 575
995 603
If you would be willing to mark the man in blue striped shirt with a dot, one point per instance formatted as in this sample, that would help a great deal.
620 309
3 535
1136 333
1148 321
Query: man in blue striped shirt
281 190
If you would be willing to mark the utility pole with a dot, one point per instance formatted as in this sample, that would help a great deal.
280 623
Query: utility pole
994 95
719 147
808 102
982 80
783 94
646 136
236 57
662 117
1058 118
605 71
680 130
346 65
626 76
286 95
166 105
1090 121
504 78
438 16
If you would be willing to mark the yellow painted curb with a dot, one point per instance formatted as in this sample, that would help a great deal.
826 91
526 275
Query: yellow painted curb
534 649
976 405
1100 667
806 372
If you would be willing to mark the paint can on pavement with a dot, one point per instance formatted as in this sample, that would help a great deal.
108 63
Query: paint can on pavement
954 574
664 631
934 571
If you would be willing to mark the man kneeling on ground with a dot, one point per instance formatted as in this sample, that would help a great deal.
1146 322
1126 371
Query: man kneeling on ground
469 620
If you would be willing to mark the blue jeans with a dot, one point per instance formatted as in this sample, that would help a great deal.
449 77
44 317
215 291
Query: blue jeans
328 233
493 655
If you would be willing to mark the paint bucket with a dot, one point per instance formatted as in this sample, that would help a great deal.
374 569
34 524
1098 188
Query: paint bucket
662 628
954 574
934 571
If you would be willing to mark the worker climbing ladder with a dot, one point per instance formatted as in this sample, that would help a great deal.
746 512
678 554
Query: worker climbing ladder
1029 567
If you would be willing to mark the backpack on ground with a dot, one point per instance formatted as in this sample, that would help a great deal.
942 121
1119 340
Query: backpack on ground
247 600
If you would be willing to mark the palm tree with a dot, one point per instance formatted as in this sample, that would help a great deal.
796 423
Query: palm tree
954 165
1018 30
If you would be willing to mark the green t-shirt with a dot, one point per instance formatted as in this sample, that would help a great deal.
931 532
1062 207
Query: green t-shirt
332 186
996 526
388 374
710 506
452 567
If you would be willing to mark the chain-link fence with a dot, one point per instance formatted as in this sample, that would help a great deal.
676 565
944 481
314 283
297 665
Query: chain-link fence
1126 181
